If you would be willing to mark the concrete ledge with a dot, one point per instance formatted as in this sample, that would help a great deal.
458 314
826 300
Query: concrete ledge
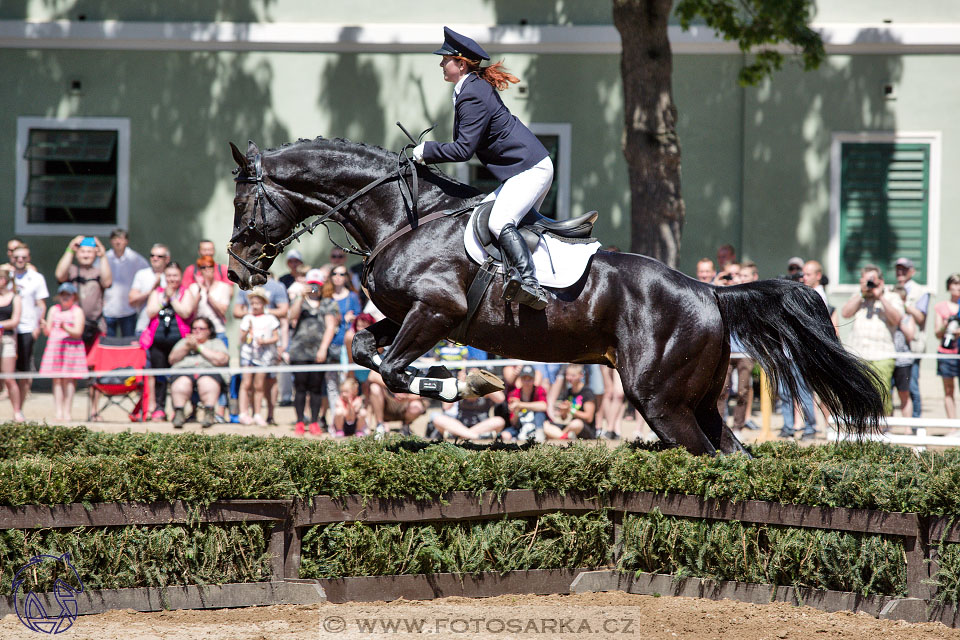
187 597
443 585
883 607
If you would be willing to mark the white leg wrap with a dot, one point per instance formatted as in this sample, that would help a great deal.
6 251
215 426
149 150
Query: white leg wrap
446 389
377 360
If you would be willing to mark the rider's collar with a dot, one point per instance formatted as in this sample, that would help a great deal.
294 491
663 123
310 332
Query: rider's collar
459 86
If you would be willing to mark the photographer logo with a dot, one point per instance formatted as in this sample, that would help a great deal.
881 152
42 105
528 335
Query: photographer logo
29 606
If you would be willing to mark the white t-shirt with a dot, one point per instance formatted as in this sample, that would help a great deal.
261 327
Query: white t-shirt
262 328
116 301
32 287
142 282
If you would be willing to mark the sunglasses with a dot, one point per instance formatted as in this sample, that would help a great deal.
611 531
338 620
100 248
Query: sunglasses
339 273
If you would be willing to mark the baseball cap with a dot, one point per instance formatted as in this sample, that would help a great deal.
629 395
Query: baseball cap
905 262
315 276
527 371
67 287
795 261
294 255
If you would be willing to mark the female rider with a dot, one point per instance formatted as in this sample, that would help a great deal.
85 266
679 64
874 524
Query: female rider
483 126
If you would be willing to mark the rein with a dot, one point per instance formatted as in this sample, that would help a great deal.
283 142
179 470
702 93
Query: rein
271 250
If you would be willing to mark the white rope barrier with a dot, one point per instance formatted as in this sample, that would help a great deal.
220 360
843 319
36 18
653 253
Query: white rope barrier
229 371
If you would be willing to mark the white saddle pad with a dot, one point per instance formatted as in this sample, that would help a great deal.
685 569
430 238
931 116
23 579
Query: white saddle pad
569 260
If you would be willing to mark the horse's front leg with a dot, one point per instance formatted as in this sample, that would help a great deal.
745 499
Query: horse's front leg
367 342
421 330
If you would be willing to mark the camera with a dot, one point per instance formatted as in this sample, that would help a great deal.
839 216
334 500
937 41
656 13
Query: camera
166 316
727 276
871 284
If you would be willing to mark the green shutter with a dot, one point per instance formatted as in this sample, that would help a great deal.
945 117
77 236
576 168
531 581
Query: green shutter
884 201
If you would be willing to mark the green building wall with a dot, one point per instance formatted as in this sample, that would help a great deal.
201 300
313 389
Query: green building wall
756 161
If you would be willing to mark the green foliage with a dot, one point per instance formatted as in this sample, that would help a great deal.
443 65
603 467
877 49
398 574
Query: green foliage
122 557
553 541
756 25
764 554
57 465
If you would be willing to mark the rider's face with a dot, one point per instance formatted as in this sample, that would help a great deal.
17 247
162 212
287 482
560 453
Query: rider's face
453 68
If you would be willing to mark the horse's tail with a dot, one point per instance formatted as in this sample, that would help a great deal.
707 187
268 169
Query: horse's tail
785 326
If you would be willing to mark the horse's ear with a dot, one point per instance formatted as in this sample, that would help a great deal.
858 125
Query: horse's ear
241 160
252 149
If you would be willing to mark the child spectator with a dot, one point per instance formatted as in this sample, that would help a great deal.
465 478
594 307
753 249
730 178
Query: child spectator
349 415
572 406
64 354
315 321
360 323
9 319
528 406
259 334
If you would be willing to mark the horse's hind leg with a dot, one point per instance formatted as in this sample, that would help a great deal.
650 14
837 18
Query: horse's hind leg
709 418
711 423
670 417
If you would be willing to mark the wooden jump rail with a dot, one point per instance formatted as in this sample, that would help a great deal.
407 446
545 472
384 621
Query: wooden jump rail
292 518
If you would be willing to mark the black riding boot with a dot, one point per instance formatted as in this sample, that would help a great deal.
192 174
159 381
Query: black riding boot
522 285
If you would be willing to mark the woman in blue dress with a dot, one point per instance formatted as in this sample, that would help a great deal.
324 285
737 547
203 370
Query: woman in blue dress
484 127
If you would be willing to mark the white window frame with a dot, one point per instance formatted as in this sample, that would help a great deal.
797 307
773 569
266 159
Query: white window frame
932 138
24 125
563 131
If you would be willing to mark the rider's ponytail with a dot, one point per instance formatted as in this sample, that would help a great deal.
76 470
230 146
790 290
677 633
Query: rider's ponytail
496 74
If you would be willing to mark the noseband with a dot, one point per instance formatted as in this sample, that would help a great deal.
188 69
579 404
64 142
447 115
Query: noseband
271 250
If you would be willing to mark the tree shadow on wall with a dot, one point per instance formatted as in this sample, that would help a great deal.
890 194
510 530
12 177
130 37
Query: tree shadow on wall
585 91
844 95
184 107
350 90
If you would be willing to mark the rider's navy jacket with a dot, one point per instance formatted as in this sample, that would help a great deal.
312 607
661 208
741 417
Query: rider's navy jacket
483 126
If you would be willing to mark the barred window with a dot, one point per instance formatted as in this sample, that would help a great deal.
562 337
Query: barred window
72 175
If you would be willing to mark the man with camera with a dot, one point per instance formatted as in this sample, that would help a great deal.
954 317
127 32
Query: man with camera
876 315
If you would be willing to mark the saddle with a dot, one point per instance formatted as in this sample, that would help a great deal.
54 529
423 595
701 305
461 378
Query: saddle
533 227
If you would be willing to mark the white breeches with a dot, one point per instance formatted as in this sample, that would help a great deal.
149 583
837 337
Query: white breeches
519 194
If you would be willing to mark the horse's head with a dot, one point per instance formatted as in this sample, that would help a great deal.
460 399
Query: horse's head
263 217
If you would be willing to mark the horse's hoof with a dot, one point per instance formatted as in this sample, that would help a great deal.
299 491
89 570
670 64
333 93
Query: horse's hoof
480 383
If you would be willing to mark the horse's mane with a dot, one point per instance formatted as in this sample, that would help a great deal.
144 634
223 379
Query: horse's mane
372 153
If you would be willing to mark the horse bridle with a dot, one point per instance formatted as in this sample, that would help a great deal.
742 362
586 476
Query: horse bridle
270 250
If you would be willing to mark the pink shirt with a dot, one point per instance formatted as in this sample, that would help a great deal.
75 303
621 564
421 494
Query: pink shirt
219 269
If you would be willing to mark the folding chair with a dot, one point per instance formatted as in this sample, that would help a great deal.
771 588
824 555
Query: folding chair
109 357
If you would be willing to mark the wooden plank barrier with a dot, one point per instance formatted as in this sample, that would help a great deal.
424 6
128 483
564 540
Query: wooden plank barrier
292 518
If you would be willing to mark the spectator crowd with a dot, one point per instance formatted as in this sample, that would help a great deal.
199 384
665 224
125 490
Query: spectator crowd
179 314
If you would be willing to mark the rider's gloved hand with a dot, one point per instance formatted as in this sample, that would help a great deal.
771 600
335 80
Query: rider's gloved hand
418 153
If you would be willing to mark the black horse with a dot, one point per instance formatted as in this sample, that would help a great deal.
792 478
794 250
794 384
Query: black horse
667 334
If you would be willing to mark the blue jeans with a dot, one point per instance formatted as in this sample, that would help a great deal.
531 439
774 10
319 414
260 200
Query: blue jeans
125 327
915 388
806 408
